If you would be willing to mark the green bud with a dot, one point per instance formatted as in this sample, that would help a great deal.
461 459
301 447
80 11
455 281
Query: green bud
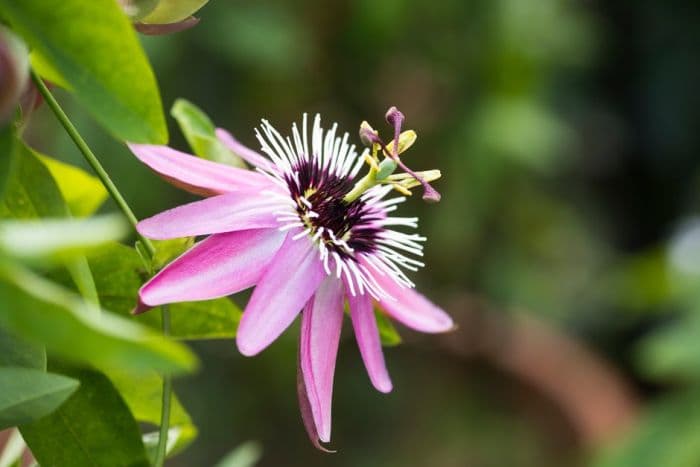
14 71
173 11
386 168
136 10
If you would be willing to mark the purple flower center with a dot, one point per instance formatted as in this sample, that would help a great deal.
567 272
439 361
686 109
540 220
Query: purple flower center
343 227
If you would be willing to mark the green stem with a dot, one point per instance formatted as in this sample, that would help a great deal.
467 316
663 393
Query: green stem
90 158
167 398
362 185
150 249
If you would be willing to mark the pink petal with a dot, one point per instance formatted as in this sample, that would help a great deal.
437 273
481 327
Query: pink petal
197 175
217 266
321 322
367 335
218 214
244 152
289 281
411 308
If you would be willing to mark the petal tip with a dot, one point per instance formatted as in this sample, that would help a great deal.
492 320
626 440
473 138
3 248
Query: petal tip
246 348
385 387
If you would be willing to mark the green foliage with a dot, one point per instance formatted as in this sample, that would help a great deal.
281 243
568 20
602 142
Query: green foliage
173 11
119 273
8 143
246 455
200 134
57 240
46 313
673 352
668 437
94 427
143 395
387 332
17 352
28 394
167 250
92 48
82 192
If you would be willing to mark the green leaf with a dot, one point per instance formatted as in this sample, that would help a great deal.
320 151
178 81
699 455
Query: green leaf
18 352
173 11
119 273
168 250
246 455
93 428
200 133
8 143
46 313
673 351
57 240
33 193
143 395
28 394
82 192
667 436
93 48
387 332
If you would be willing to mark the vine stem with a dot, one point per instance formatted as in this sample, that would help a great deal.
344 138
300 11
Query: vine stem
150 249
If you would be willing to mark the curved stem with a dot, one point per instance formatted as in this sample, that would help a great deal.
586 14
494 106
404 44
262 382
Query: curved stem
90 158
150 249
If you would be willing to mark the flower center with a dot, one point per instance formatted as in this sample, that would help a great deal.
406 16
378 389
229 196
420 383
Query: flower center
342 227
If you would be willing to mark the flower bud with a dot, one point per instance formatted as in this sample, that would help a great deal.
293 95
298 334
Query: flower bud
136 10
394 116
14 72
368 135
173 11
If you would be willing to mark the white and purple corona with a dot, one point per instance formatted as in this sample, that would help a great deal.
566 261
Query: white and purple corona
309 228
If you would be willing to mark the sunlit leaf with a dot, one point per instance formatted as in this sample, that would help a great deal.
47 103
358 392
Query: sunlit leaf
82 192
199 132
93 48
28 394
93 428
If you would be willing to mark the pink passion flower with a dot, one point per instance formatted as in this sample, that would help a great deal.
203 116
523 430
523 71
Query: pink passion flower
308 234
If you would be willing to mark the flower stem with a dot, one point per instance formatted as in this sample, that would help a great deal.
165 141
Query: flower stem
167 398
90 158
150 249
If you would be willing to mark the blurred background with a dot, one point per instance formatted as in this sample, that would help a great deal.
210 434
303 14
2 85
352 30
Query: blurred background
566 246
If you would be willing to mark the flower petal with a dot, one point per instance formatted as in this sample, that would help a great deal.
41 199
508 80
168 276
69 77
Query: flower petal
321 322
244 152
197 175
367 335
218 214
217 266
411 308
289 281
